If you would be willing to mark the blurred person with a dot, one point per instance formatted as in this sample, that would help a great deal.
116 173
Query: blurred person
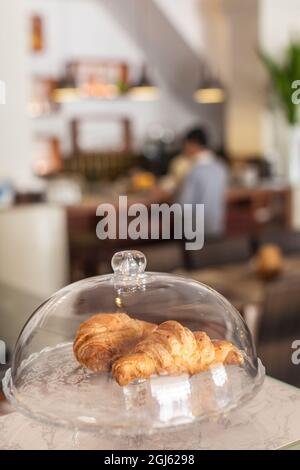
205 183
179 168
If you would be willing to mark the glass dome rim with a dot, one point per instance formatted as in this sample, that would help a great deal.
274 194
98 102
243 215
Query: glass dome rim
9 388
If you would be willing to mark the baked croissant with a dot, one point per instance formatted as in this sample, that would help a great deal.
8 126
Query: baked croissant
206 350
106 336
170 349
173 349
226 353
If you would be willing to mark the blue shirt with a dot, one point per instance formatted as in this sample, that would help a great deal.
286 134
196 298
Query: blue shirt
206 184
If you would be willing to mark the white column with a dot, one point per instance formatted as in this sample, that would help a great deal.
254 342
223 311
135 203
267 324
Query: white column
279 24
232 28
15 133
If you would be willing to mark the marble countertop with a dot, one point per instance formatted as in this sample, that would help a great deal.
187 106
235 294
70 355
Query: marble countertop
270 421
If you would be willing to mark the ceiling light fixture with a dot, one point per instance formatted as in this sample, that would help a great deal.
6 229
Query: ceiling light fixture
210 89
144 89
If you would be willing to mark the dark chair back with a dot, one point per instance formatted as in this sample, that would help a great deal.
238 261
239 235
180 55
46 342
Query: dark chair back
288 241
219 252
279 328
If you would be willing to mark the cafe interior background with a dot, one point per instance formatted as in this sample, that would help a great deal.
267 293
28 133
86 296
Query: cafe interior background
97 96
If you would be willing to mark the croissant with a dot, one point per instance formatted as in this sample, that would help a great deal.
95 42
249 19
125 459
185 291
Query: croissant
173 349
170 349
206 350
226 353
106 336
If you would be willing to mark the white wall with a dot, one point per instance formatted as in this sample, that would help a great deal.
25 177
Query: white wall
74 29
80 29
15 136
279 23
185 15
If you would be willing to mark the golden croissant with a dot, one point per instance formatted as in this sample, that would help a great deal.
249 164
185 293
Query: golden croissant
106 336
173 349
226 353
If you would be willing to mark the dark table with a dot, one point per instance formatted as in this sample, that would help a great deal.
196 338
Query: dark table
240 283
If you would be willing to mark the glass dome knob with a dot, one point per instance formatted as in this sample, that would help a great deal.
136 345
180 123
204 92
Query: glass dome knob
129 264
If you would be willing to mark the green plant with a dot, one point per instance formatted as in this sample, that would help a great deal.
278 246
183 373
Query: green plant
282 75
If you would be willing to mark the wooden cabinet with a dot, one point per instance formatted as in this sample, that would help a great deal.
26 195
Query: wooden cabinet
250 210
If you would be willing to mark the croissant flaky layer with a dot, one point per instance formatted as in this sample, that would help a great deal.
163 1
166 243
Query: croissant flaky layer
106 336
135 349
173 349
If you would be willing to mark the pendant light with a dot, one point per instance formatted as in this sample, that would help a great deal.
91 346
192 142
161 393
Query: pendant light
144 89
67 89
210 89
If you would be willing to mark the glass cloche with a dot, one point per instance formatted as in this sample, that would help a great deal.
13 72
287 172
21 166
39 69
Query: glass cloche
47 382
